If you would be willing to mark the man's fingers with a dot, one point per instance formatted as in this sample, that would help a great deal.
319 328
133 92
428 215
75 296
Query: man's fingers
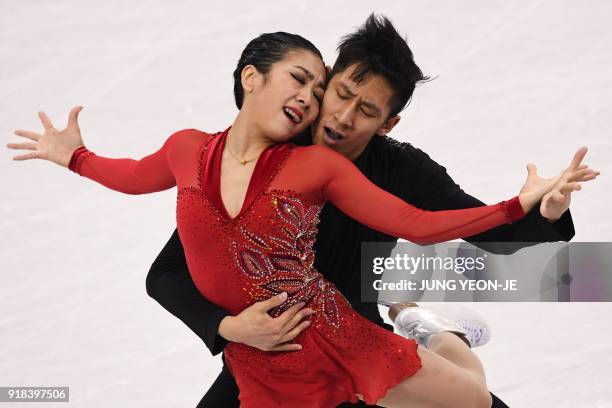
28 134
289 314
22 146
569 187
557 196
271 303
297 318
73 116
45 120
578 156
292 334
287 347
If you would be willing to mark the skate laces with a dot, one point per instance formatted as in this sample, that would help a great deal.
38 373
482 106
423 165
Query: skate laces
474 332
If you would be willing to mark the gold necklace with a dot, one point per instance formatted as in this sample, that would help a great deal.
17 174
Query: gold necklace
242 161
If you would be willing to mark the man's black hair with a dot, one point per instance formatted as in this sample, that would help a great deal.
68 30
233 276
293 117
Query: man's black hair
377 48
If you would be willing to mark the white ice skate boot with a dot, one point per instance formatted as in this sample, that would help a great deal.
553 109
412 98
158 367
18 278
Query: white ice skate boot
420 324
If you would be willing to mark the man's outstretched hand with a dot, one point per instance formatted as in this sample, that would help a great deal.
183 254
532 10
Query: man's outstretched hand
256 328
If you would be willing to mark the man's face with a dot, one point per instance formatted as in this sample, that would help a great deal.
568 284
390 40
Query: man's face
352 113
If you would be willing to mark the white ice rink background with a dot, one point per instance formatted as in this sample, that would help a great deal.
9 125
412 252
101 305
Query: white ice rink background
517 81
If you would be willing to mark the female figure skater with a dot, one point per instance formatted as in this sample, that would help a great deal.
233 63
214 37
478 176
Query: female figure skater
247 213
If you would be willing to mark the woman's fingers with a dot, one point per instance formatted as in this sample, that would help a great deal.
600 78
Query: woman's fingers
572 183
28 134
578 156
588 177
28 156
22 146
73 116
532 170
580 174
45 120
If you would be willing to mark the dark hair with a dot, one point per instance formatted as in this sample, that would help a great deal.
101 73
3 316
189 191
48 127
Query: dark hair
265 50
377 48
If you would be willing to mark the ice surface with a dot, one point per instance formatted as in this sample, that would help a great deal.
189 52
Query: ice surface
516 82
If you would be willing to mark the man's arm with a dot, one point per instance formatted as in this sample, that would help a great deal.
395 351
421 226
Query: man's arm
169 283
433 189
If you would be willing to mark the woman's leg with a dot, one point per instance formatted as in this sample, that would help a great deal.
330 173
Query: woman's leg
451 375
449 346
439 383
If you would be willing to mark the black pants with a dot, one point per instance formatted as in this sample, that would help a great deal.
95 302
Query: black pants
224 394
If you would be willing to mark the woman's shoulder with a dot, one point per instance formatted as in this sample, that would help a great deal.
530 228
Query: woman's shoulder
190 133
190 136
186 142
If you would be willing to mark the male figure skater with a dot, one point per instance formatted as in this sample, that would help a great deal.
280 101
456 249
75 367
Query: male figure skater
372 80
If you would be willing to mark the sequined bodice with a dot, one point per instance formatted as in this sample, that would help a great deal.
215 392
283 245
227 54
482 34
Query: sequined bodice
265 251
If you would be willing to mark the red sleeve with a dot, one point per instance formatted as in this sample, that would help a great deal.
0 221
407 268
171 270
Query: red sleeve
147 175
349 190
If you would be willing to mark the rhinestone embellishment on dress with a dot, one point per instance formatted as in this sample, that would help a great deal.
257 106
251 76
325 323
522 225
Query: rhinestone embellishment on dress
283 261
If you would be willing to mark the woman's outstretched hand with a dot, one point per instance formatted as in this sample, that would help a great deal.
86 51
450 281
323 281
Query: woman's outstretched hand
554 193
53 145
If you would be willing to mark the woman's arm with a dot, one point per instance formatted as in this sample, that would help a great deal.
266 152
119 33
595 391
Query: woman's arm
147 175
66 148
355 195
427 185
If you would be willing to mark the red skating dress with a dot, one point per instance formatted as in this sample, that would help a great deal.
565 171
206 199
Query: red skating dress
267 249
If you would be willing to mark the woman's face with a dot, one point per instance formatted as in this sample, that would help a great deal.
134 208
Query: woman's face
287 100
